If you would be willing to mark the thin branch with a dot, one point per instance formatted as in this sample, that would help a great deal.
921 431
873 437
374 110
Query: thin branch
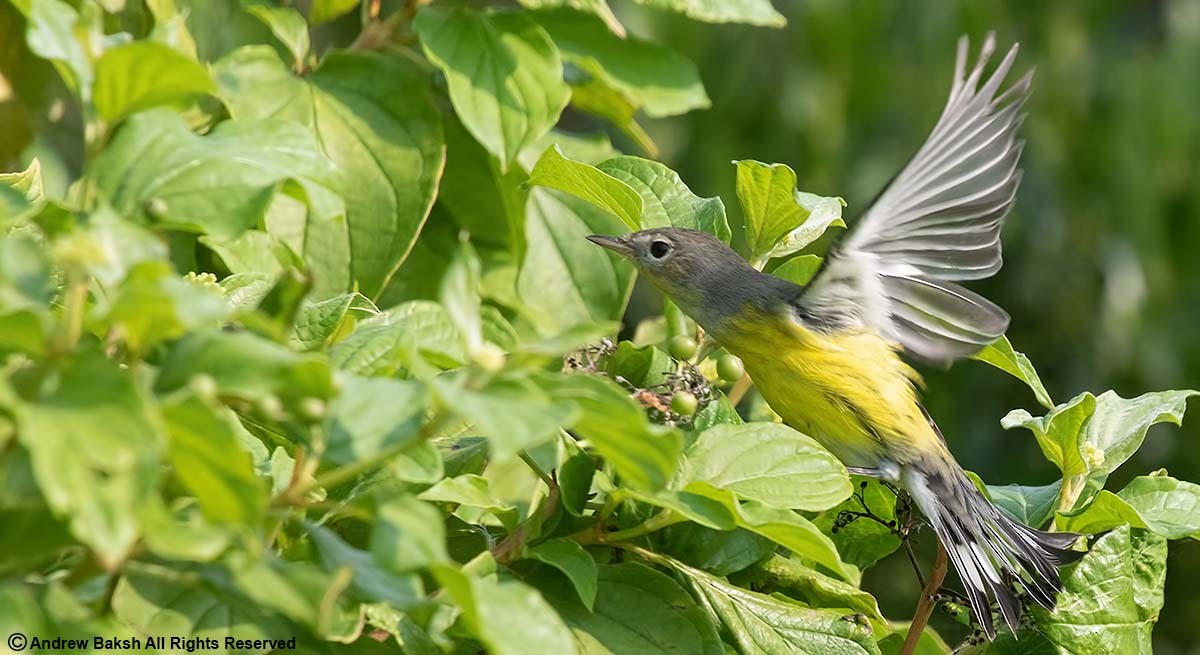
927 603
739 390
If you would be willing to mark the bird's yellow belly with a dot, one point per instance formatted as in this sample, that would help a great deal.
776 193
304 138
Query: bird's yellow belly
849 391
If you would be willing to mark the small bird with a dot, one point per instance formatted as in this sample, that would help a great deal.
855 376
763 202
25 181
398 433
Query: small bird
826 356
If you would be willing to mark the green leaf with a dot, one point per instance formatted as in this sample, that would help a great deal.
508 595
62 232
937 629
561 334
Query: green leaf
644 367
219 27
472 491
381 345
720 552
599 8
55 31
95 451
564 279
812 587
459 294
286 24
666 200
654 79
644 455
387 146
767 462
1111 598
513 413
768 625
371 582
319 322
205 456
1105 512
586 182
779 219
323 11
162 602
509 617
481 198
1169 507
797 534
407 535
574 562
637 610
799 269
300 590
1032 506
504 74
864 542
373 415
153 305
246 366
1000 354
182 534
137 76
753 12
221 184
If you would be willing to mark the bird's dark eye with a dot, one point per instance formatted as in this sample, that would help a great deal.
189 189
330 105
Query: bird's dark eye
659 249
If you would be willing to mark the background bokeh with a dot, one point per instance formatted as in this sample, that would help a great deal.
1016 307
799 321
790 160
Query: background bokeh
1101 271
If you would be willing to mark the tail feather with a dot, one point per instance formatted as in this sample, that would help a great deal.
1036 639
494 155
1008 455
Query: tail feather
989 549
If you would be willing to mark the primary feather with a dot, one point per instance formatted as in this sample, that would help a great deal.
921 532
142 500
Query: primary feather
938 222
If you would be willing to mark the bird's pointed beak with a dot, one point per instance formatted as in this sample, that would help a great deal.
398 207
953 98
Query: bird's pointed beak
619 245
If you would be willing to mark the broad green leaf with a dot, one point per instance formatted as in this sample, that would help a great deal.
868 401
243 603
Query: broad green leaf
797 534
378 125
137 76
1000 354
591 95
1169 507
644 455
27 287
420 464
863 542
1118 426
286 24
637 610
373 415
666 200
588 183
162 602
654 79
323 11
1032 506
599 8
220 184
799 269
930 643
153 305
55 31
513 413
644 367
767 462
812 587
472 491
219 27
768 625
507 616
504 74
411 638
1105 512
459 294
1111 598
300 590
205 456
95 451
385 343
371 582
564 279
318 322
182 533
248 367
574 562
27 182
1058 432
407 535
481 198
720 552
702 505
753 12
123 244
779 219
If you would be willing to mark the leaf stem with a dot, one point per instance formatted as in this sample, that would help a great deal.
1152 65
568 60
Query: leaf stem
739 389
927 603
655 523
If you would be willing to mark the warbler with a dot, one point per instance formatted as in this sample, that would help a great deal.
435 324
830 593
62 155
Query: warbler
827 356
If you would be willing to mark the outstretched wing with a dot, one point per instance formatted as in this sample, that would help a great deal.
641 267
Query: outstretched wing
938 222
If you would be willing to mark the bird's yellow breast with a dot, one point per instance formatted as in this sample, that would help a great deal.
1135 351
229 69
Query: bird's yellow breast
849 390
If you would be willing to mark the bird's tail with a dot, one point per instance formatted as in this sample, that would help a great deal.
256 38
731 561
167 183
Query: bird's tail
991 551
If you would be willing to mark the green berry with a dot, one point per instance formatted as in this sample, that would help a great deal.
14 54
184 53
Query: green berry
311 409
682 347
684 403
730 368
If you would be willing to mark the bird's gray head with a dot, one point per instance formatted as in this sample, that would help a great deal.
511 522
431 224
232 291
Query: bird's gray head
706 278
